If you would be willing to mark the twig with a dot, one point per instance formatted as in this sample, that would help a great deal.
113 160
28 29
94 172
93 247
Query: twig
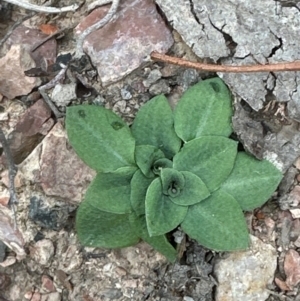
43 9
98 25
50 85
287 66
14 26
12 171
98 3
281 297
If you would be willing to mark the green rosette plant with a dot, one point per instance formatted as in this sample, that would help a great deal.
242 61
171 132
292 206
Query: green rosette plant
170 169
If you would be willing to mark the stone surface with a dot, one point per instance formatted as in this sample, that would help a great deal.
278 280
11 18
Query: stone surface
42 252
62 173
13 82
9 235
122 45
245 275
55 296
47 284
244 32
62 95
28 37
30 130
54 218
267 136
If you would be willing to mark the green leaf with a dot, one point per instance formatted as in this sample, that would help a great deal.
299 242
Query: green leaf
162 215
96 228
159 243
251 181
145 156
153 125
100 137
160 164
139 185
172 182
204 110
217 223
110 192
194 190
211 158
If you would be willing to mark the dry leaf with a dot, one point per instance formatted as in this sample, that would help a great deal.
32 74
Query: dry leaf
282 285
48 29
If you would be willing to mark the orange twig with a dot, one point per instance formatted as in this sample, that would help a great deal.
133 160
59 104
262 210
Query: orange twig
287 66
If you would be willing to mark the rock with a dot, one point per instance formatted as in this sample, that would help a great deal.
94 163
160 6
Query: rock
47 284
125 94
295 213
55 296
29 130
153 77
54 218
28 37
281 146
4 197
238 35
5 281
62 95
19 181
12 237
160 87
121 46
245 275
62 173
42 252
13 82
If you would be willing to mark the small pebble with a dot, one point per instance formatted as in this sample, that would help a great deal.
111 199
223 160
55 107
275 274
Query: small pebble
153 77
42 251
125 94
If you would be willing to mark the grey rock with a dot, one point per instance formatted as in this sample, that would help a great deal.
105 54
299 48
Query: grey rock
125 94
153 77
243 32
188 78
267 138
245 275
161 87
112 293
62 95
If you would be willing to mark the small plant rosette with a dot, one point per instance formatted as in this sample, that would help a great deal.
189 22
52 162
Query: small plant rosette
169 169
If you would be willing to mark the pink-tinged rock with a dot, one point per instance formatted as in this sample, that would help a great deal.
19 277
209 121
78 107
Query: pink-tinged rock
47 284
4 197
13 82
29 131
122 45
294 196
62 173
28 37
292 268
